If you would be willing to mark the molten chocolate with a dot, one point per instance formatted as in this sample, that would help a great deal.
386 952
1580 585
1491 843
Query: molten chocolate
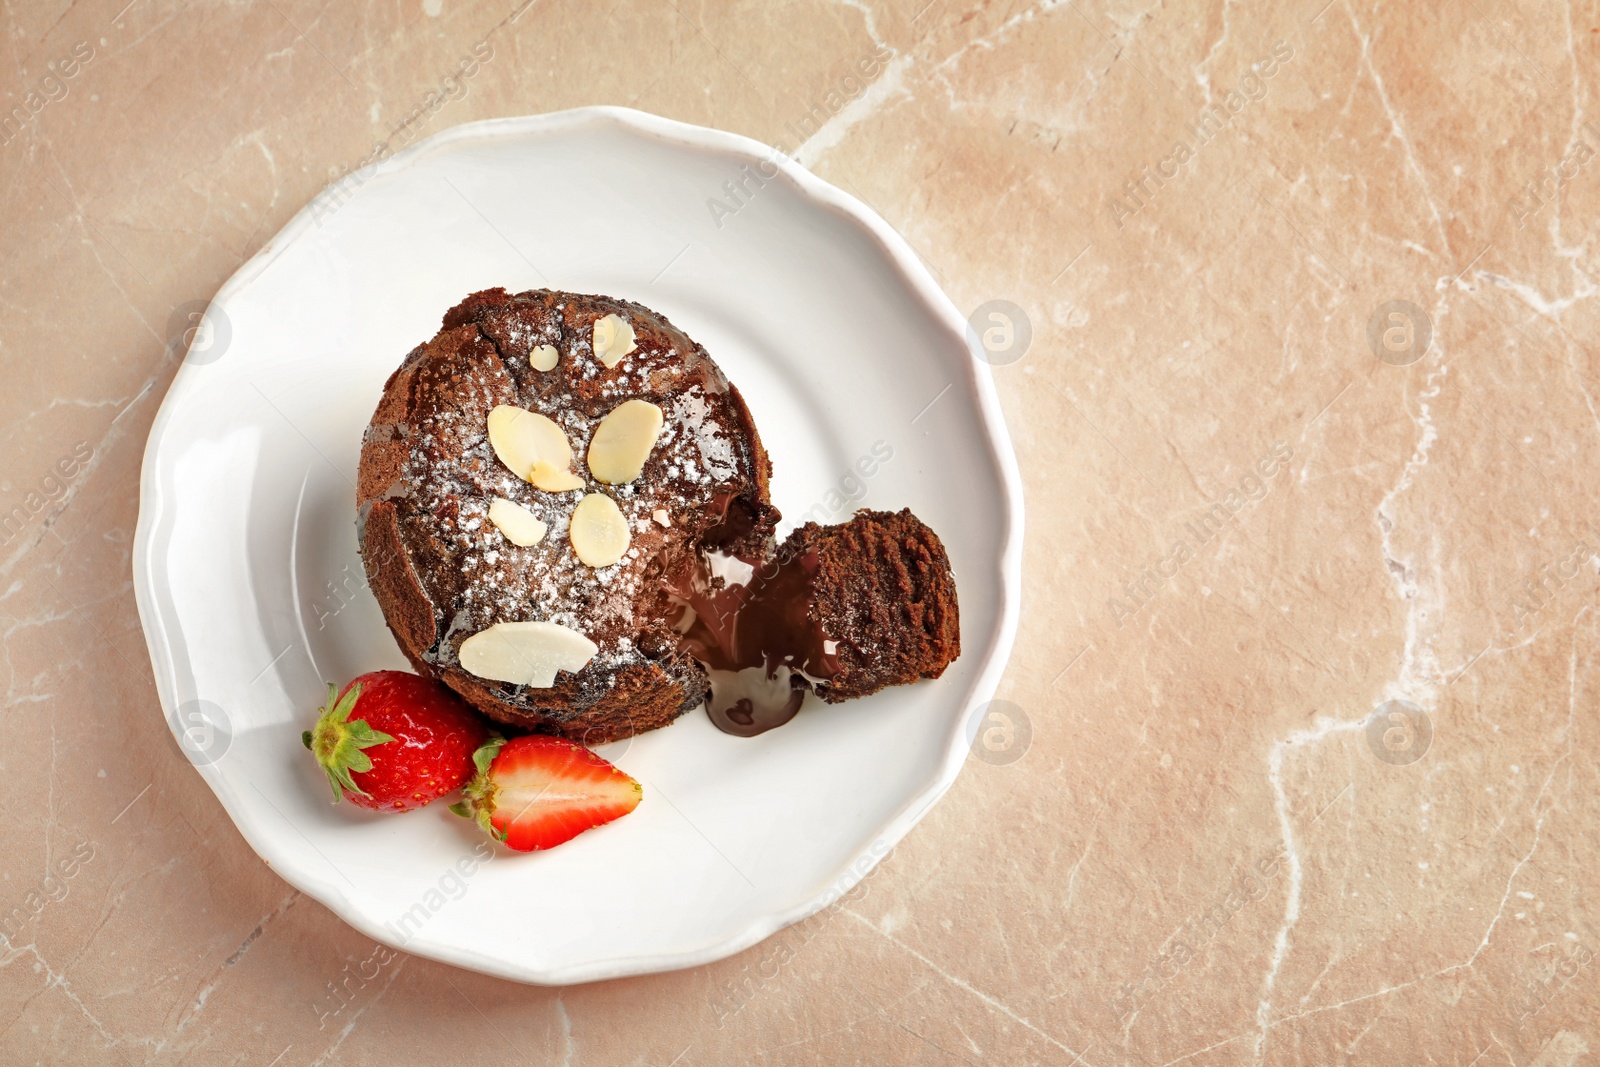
749 623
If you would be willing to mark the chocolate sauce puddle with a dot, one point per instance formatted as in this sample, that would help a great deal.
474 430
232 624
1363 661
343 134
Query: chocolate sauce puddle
748 622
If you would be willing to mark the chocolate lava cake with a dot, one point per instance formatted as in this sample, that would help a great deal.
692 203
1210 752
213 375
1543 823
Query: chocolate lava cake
441 570
563 512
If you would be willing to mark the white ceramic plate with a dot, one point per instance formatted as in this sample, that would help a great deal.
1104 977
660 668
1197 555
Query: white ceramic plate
251 591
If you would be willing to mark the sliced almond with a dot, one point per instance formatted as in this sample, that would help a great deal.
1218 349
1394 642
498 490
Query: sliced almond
661 516
613 339
624 440
526 653
520 526
597 530
543 357
529 442
554 479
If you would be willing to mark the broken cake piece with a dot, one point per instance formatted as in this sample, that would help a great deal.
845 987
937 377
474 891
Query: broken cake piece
842 610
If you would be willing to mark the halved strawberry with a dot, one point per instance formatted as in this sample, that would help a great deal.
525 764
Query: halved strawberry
536 792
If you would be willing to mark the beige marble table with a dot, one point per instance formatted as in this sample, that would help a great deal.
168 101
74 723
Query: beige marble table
1308 423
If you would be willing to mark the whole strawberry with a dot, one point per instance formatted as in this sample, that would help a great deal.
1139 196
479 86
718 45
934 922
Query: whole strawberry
537 792
393 741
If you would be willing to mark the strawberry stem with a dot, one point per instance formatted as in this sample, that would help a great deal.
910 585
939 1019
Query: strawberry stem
337 742
480 792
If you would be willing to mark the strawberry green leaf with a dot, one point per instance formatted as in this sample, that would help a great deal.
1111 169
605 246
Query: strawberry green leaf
337 743
480 792
486 753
